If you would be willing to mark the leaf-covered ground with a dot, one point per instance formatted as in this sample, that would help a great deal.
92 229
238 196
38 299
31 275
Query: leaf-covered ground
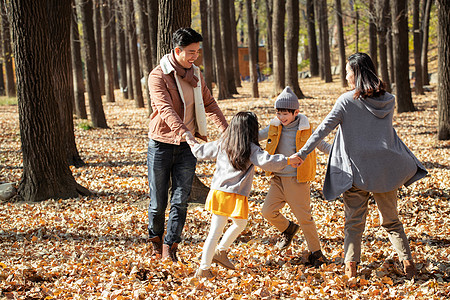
96 247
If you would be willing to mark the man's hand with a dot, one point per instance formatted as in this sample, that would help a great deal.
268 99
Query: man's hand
295 161
189 138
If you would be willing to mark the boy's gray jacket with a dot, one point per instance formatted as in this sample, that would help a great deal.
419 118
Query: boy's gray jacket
366 151
226 178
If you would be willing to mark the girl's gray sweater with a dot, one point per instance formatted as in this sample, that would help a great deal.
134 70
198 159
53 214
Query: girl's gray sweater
366 151
226 178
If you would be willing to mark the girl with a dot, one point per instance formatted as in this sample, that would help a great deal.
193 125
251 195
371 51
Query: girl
236 153
367 157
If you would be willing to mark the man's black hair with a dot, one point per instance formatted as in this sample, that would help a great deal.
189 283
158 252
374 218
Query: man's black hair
292 111
185 36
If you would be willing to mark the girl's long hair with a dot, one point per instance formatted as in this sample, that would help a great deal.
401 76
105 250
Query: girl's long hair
367 83
238 137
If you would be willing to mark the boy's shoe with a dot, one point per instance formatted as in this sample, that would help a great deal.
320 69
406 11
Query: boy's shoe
317 258
208 274
221 258
157 246
287 236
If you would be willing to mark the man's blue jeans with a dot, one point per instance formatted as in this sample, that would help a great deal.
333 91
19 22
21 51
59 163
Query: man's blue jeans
165 162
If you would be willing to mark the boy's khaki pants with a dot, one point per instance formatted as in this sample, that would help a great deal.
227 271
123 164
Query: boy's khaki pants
355 208
287 190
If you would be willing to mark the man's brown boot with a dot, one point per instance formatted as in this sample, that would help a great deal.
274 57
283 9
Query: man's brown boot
287 236
409 268
170 251
350 269
157 246
221 258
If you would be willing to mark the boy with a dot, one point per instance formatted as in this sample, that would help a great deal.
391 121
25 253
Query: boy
286 134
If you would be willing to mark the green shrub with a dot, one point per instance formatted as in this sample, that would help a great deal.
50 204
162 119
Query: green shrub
85 125
8 100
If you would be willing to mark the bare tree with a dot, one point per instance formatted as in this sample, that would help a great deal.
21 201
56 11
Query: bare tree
425 31
98 41
7 52
153 12
400 44
114 44
373 34
225 29
382 7
341 43
312 41
443 69
324 41
279 11
252 49
122 49
106 50
234 47
292 37
418 86
206 46
355 7
269 44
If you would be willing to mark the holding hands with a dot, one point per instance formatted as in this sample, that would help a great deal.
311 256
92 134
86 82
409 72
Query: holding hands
295 161
190 139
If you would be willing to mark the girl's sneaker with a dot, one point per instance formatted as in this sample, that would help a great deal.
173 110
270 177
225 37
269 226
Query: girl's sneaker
208 274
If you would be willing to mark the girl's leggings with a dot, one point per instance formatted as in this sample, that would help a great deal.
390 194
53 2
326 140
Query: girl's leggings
218 223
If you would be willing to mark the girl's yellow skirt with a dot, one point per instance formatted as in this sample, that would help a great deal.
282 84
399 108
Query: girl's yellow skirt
227 204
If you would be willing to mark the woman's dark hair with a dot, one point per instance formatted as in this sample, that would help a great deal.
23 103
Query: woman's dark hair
367 83
238 138
185 36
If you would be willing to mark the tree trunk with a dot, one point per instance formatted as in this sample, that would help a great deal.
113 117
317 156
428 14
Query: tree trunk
251 49
121 51
134 55
443 69
234 47
400 46
205 14
418 86
425 30
225 29
312 42
390 48
7 52
85 11
46 173
278 46
218 55
98 42
382 13
130 88
172 15
341 42
269 44
356 28
114 45
153 12
292 37
325 45
77 69
317 12
373 35
106 50
146 51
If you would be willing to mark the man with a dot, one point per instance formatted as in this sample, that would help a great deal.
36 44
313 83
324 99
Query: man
180 101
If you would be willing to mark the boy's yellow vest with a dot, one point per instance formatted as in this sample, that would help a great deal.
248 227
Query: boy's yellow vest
307 171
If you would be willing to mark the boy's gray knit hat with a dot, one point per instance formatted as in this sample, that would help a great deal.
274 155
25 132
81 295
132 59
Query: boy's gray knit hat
287 100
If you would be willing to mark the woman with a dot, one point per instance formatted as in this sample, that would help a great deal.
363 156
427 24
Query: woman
367 157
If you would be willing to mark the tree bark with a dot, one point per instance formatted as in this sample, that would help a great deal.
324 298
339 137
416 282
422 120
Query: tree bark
106 50
443 69
85 11
425 31
205 14
418 86
172 15
7 52
121 52
251 49
382 20
373 35
312 41
401 56
77 69
114 44
130 85
153 12
292 37
234 47
325 45
279 79
356 28
225 29
389 44
341 42
98 42
218 55
46 173
269 44
317 12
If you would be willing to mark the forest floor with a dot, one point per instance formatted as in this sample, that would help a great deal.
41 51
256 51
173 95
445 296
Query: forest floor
96 247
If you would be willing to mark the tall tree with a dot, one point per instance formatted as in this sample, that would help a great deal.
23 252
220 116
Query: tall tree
7 52
234 47
77 68
425 32
172 15
324 41
252 49
106 50
153 7
98 41
122 50
400 45
373 34
46 173
85 11
221 81
390 47
418 87
269 44
206 46
312 41
225 29
292 37
443 69
114 44
341 42
382 8
355 7
279 80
